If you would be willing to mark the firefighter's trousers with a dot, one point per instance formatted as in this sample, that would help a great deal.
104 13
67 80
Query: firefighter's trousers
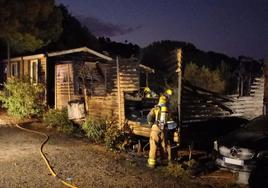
158 140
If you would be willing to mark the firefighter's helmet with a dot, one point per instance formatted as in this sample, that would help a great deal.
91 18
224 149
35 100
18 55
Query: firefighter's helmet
147 90
162 100
169 92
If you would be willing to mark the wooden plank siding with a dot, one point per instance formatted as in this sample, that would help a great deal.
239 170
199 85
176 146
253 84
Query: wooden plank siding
198 105
108 106
66 91
64 85
102 89
24 66
251 106
46 72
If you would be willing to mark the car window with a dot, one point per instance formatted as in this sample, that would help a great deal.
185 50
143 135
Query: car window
258 124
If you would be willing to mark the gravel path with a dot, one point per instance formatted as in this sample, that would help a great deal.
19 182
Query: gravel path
76 161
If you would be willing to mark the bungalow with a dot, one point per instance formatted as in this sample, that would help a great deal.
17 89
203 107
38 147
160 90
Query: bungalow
81 74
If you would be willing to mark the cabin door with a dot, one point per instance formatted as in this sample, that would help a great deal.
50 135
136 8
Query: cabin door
64 85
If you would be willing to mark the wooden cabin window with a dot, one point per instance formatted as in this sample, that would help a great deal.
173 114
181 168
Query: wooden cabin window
14 69
34 71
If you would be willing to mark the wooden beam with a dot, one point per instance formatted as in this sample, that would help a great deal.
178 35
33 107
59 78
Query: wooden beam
118 90
69 89
179 61
55 86
146 68
29 57
76 50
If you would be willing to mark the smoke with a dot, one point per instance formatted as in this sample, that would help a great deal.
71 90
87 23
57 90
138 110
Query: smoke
106 29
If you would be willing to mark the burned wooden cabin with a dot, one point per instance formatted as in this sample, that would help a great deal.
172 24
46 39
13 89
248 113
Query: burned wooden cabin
85 75
197 105
110 88
55 70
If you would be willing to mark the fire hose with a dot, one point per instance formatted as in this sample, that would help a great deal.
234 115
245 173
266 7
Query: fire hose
44 157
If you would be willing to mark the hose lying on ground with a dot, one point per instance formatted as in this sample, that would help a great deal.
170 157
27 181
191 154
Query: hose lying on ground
43 155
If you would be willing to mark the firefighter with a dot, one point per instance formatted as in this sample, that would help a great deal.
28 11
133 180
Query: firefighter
157 117
147 92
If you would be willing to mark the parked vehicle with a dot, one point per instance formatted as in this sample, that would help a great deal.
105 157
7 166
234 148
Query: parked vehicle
243 148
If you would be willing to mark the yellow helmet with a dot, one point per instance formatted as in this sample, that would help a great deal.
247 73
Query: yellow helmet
147 89
162 100
169 92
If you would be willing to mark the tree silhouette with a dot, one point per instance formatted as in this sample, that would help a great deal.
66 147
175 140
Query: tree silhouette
29 25
74 35
119 49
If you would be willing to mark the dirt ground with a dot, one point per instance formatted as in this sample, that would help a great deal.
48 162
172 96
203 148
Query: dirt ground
82 164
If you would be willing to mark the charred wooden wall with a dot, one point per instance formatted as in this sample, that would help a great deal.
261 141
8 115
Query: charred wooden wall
69 82
105 91
112 104
95 75
200 105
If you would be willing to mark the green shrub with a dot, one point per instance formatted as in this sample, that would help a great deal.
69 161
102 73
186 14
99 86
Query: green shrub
204 77
114 137
94 129
59 119
23 99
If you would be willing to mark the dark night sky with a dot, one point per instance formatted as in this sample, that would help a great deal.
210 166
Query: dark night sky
233 27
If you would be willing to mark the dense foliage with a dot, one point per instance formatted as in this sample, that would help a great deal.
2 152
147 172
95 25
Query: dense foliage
203 76
114 137
126 50
23 99
59 119
94 129
29 25
106 131
161 56
74 34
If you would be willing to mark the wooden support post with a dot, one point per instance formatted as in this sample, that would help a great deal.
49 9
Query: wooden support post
139 148
105 79
55 83
179 61
241 86
265 101
147 79
118 91
69 89
169 151
84 72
